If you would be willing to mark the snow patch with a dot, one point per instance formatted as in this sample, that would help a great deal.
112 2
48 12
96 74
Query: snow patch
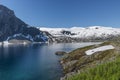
6 43
17 35
102 48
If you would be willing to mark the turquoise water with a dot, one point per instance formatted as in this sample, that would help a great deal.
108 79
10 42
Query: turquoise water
33 62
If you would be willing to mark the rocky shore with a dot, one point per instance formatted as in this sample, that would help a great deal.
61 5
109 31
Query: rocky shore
78 61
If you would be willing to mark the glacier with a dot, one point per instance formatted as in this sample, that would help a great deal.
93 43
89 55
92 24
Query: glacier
80 32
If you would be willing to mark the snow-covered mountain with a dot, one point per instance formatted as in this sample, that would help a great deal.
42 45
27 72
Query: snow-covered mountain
12 29
89 33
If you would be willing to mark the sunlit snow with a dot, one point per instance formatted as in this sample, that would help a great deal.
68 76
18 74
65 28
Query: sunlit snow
79 32
102 48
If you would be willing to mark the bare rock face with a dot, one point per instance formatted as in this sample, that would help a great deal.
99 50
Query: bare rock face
11 25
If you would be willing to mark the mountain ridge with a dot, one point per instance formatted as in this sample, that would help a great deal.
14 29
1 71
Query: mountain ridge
83 34
12 27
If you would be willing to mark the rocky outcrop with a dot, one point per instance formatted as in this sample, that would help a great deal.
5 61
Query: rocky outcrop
60 53
50 38
10 25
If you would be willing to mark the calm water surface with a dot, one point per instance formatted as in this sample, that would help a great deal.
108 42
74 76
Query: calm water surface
33 62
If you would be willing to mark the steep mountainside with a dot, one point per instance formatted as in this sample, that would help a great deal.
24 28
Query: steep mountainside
12 27
83 34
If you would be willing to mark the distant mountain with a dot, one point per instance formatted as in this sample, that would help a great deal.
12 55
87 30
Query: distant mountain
12 27
77 34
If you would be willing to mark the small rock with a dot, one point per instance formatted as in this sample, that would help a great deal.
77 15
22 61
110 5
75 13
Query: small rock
60 53
61 62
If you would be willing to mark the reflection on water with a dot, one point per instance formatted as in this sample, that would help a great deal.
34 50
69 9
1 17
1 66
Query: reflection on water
33 62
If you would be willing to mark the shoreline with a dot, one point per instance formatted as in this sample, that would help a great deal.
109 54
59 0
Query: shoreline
77 61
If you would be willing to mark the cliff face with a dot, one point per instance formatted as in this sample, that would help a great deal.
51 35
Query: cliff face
11 25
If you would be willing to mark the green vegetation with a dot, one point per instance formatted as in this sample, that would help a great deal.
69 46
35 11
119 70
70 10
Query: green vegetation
78 60
107 71
104 65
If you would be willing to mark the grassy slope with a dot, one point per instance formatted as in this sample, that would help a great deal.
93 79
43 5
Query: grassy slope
108 70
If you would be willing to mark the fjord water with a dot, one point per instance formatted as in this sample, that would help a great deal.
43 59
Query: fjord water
33 62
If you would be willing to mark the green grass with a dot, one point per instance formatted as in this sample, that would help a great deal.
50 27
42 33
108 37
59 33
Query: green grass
106 71
84 61
76 54
104 65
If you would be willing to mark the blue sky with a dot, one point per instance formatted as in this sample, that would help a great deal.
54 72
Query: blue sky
66 13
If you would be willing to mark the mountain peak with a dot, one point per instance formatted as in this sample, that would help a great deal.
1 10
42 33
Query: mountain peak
99 27
5 10
95 27
12 27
